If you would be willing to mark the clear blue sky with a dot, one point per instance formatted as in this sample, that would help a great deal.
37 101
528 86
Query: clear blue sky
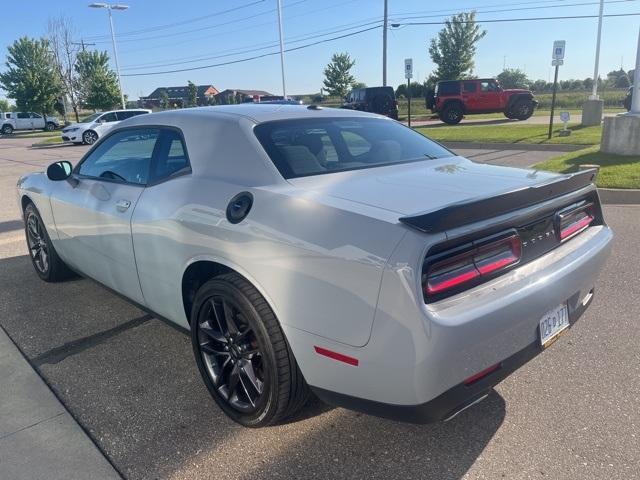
245 31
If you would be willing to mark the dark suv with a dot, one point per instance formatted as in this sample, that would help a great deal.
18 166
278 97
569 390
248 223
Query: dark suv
454 99
380 100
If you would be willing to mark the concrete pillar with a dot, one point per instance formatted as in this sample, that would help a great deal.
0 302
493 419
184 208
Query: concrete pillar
621 134
592 112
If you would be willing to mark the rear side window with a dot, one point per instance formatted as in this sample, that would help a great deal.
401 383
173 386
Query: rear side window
109 117
324 145
449 88
124 115
469 87
170 157
23 115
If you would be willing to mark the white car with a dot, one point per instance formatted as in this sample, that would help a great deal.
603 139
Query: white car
10 121
90 129
328 250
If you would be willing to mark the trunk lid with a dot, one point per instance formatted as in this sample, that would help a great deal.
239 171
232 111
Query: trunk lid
423 186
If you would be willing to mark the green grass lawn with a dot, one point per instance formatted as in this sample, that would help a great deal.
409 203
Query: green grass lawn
508 133
616 171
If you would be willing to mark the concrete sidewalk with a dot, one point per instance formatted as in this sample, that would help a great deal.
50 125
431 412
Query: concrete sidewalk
39 439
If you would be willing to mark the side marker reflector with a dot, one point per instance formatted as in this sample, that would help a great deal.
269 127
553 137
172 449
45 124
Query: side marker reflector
336 356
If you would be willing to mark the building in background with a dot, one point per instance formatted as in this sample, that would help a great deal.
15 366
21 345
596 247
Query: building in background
178 96
241 96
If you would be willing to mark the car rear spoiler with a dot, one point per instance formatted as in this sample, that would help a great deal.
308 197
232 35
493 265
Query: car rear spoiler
464 213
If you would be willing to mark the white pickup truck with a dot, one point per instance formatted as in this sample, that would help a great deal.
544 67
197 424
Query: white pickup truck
10 121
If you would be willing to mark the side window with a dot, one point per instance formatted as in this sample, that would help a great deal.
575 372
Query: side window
171 156
35 115
488 86
124 115
356 144
469 87
23 115
124 157
109 117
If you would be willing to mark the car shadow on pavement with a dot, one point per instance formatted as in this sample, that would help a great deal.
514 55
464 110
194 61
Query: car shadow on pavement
472 123
131 382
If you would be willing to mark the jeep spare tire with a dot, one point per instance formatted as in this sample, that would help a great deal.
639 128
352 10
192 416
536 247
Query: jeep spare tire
452 113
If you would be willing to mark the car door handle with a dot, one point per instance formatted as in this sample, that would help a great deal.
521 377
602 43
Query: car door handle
123 205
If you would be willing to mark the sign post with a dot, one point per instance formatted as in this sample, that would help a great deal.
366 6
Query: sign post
557 60
408 74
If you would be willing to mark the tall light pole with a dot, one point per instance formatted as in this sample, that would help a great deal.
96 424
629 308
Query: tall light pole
284 88
594 92
109 7
384 44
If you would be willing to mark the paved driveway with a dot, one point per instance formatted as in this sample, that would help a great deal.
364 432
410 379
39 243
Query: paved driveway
572 413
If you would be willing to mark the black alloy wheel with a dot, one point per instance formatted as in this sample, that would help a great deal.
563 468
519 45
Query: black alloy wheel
523 110
44 257
452 114
242 355
230 351
37 243
7 129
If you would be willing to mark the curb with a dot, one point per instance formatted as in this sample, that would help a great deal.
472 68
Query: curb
533 147
619 196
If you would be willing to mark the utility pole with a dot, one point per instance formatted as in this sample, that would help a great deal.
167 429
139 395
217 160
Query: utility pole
82 44
284 88
384 43
594 92
504 63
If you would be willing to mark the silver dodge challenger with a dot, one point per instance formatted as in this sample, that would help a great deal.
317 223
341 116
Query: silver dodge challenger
333 252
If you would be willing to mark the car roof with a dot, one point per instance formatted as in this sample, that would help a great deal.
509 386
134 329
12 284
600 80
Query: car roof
254 112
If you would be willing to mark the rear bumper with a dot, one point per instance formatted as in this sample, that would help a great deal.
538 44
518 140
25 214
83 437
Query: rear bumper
448 404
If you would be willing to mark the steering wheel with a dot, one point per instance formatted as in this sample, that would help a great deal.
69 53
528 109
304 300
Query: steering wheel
112 175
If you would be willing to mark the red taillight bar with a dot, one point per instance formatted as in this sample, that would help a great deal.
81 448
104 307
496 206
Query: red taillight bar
576 227
477 262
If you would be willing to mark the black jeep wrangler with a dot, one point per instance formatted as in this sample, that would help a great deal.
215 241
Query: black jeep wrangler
380 100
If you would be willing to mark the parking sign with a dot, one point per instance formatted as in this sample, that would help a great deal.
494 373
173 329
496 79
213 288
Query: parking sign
408 68
558 50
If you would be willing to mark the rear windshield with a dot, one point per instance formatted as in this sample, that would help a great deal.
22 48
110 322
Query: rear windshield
313 146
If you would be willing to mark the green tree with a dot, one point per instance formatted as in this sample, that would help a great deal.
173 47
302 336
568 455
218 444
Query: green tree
455 46
338 79
30 78
164 99
539 85
98 83
513 78
358 85
192 92
5 106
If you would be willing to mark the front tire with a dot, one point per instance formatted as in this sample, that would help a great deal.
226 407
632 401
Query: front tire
89 137
242 354
44 258
523 109
452 114
49 127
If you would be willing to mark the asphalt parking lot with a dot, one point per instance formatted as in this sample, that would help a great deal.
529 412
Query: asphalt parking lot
130 380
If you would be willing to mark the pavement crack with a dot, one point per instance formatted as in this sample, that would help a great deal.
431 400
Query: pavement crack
2 437
58 354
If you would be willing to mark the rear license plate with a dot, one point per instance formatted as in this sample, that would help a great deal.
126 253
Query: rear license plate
552 324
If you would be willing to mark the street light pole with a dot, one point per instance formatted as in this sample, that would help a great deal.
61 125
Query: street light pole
384 43
284 88
110 7
594 92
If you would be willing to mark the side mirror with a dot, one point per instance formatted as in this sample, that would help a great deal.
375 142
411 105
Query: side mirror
59 171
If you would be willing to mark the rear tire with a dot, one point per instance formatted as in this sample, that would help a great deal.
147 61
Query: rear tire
242 354
44 258
7 129
452 114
